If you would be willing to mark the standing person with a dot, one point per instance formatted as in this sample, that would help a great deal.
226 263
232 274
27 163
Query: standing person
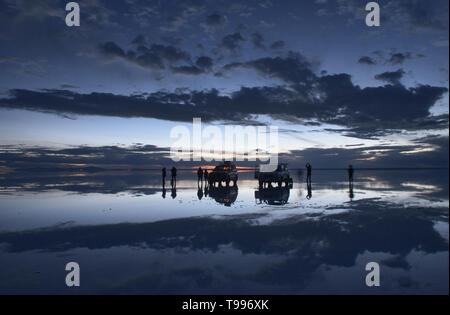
174 176
351 171
308 173
205 176
164 174
200 175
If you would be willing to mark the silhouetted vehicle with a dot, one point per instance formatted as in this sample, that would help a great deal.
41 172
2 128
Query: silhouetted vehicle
225 172
274 196
224 195
265 175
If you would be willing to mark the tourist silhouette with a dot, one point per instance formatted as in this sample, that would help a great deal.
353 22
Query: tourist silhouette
206 176
164 192
173 181
164 174
200 175
351 172
308 173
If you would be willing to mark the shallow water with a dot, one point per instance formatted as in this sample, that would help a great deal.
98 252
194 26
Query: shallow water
129 235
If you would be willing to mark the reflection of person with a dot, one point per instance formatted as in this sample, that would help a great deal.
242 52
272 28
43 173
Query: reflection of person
200 193
164 192
309 188
174 191
308 173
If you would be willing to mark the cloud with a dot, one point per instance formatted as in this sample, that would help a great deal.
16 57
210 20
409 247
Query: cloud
232 41
153 57
258 41
140 40
391 77
293 69
204 62
391 57
215 20
278 45
366 60
399 58
416 15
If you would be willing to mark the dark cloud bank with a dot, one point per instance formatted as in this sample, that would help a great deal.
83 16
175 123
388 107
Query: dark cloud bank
302 96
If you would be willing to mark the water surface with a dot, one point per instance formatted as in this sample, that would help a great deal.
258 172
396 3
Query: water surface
131 235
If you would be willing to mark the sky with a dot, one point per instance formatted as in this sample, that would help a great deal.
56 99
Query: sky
110 91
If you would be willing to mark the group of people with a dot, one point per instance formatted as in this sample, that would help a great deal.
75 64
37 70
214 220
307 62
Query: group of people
173 174
202 175
350 170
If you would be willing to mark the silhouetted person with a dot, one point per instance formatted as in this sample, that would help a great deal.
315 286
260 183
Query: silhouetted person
206 176
164 174
309 188
200 175
173 172
308 173
164 192
351 172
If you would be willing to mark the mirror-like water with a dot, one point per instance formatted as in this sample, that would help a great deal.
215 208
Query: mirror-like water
132 235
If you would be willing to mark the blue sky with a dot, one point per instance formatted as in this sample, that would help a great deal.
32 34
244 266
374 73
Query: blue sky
288 63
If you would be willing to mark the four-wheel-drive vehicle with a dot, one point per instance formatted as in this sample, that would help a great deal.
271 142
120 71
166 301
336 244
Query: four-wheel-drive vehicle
266 175
225 172
274 196
224 195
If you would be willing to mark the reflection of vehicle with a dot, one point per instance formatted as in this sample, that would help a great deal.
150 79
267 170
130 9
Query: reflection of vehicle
225 172
274 196
265 175
224 195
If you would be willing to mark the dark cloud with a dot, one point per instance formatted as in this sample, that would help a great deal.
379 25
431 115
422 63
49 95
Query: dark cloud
332 99
258 41
390 156
391 77
293 69
139 40
215 20
204 62
399 58
366 60
278 45
232 41
390 57
187 70
153 57
419 15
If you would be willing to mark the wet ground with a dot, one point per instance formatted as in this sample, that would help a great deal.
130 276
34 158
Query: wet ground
130 234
